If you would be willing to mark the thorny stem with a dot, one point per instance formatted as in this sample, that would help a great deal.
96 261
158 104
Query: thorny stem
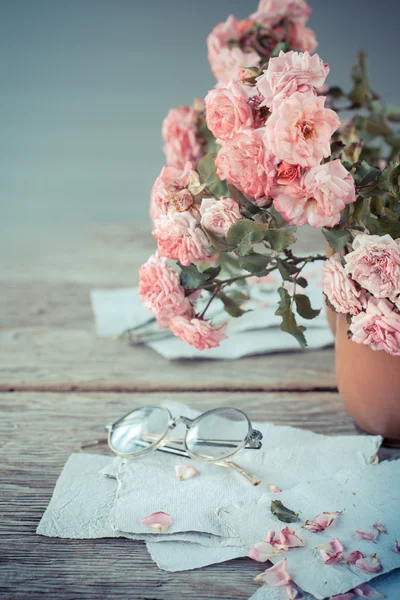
216 291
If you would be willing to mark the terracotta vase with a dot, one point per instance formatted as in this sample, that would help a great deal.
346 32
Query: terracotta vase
369 384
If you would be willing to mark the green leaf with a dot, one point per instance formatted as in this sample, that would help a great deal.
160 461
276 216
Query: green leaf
231 307
335 92
337 238
244 228
283 513
393 113
384 225
237 195
238 297
304 308
289 324
191 278
212 272
302 282
255 263
375 124
280 239
217 242
394 181
287 270
208 174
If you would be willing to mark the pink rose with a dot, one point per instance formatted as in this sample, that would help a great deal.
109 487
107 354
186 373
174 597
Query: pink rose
217 216
245 162
378 327
303 38
179 131
228 111
272 11
227 61
161 291
322 193
200 334
299 129
171 190
179 237
340 290
291 72
375 264
287 173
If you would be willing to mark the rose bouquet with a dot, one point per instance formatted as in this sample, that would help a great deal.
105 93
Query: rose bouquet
264 154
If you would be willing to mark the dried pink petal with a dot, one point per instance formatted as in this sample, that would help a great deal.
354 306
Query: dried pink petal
276 576
184 472
370 564
370 536
347 596
289 539
352 558
160 521
292 592
274 488
263 551
366 591
321 522
269 538
396 547
379 527
331 552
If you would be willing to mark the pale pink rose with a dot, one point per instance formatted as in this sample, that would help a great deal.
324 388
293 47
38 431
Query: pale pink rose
378 327
228 110
340 289
217 216
288 173
179 131
179 237
161 292
318 198
302 38
272 11
291 72
226 61
375 264
197 332
171 190
247 164
300 128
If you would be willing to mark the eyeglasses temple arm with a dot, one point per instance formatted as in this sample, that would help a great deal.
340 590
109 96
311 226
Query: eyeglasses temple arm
254 480
90 443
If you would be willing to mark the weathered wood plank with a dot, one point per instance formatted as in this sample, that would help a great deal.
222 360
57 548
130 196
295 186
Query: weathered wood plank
37 434
61 358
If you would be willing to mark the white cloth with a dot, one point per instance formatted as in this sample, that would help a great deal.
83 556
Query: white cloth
256 332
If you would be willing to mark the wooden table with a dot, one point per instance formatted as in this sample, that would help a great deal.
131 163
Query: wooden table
59 384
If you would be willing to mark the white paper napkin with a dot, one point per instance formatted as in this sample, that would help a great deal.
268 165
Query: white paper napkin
365 495
256 332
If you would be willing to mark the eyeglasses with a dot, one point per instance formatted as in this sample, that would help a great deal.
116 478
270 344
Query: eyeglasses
214 436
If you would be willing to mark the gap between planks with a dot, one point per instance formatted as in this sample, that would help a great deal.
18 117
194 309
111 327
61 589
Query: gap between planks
67 388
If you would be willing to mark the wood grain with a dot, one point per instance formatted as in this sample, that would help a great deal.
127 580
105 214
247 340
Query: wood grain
37 434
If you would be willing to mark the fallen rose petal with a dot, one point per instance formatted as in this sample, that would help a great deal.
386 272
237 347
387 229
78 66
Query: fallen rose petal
276 576
370 564
184 472
292 592
332 551
352 558
289 539
396 547
263 551
371 536
379 527
366 591
347 596
326 518
321 522
269 538
274 488
160 521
